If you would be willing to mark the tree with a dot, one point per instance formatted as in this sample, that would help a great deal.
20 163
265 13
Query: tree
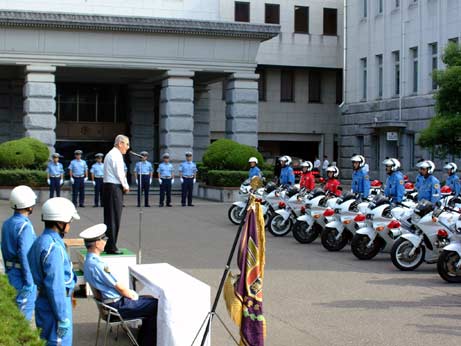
443 135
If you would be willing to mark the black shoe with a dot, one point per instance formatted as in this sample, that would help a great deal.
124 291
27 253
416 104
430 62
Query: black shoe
183 205
147 206
160 205
82 206
169 205
191 205
114 252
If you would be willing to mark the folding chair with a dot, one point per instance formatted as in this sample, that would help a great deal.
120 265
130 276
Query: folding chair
112 318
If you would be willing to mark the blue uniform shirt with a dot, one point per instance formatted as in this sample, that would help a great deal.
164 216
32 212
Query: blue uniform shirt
78 167
254 172
395 188
287 177
52 271
97 274
143 167
97 169
361 183
454 184
429 189
419 181
54 169
18 235
165 169
188 168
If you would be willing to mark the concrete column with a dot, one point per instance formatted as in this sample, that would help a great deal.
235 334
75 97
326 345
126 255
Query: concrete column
328 146
201 121
39 93
176 114
142 117
242 108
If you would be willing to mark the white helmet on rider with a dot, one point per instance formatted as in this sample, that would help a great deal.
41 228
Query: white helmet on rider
333 169
452 166
288 159
59 209
393 163
307 164
253 159
429 165
358 158
22 197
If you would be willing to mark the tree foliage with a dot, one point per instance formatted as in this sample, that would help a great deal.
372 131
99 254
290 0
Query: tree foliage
443 135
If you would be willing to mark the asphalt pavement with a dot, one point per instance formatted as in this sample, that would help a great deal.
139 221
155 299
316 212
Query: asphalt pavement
311 296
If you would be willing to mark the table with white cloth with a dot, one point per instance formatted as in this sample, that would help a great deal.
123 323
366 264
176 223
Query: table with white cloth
183 302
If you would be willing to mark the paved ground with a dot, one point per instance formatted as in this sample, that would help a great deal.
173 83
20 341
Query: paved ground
312 297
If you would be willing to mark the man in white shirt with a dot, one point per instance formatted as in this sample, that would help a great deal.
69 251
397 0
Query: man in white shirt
115 185
325 165
317 164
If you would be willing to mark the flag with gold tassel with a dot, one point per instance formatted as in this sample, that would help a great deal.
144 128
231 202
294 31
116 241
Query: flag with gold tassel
244 293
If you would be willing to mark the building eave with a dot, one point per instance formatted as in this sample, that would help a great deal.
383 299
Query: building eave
91 22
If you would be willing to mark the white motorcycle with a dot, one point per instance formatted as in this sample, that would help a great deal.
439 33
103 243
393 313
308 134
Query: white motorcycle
281 223
237 209
310 224
449 262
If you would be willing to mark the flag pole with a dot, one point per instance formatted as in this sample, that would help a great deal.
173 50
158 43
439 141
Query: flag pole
210 315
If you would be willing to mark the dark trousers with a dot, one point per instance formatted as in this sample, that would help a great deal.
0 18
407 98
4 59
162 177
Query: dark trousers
98 191
165 189
186 191
78 191
146 308
113 205
55 186
143 186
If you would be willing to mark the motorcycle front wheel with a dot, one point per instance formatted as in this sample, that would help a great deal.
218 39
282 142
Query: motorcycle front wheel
401 258
360 249
304 233
235 214
279 227
447 267
330 240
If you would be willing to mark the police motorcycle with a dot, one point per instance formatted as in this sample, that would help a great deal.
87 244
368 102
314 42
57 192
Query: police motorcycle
292 200
432 230
310 224
348 217
382 227
237 209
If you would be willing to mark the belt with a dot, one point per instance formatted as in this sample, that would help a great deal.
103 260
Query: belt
10 264
77 176
188 177
165 177
111 301
101 176
56 176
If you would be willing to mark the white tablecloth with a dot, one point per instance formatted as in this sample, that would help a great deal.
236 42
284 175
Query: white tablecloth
183 302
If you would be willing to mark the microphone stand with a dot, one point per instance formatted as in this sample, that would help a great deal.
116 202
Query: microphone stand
139 176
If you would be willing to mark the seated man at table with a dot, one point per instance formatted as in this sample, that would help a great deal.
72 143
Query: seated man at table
112 292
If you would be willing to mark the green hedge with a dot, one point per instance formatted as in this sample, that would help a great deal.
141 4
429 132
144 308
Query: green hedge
14 177
231 178
225 154
23 153
14 328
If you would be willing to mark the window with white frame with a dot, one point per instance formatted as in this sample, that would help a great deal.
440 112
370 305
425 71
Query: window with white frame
396 61
433 50
363 67
379 71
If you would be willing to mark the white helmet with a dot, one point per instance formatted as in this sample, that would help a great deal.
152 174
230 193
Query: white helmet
307 164
22 197
335 171
253 159
59 209
358 158
427 164
394 163
286 158
452 166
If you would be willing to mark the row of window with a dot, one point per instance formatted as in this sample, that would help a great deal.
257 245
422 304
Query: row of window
301 17
379 5
413 65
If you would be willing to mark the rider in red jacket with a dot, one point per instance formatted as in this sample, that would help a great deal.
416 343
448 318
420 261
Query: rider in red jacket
332 184
307 177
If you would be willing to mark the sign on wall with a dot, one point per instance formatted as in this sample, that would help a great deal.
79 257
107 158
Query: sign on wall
392 136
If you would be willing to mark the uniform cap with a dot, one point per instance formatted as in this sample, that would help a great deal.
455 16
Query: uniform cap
99 155
56 155
144 153
76 152
166 155
94 233
188 153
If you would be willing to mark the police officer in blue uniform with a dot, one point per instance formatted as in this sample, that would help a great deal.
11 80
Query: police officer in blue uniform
452 178
429 189
18 236
360 179
187 175
112 292
97 176
395 187
287 176
52 272
55 175
143 172
165 172
78 171
254 169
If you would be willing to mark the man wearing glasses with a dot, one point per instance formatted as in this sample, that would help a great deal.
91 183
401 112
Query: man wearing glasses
115 185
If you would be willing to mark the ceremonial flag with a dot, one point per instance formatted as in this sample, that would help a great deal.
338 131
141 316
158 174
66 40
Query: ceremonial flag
244 293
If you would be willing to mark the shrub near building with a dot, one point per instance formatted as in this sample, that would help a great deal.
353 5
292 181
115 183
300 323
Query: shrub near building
23 161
